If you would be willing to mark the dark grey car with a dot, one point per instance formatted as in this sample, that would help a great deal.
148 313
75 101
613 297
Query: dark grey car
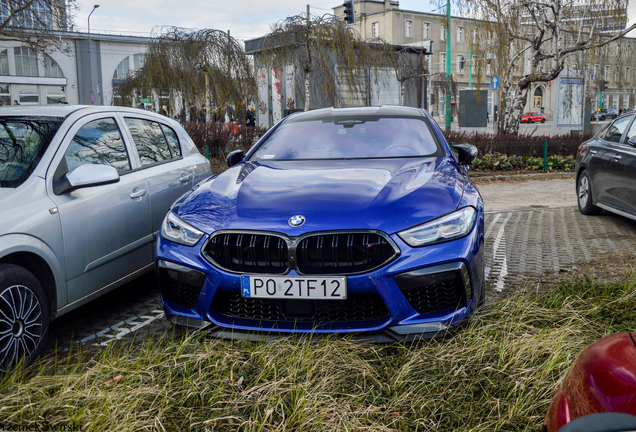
606 170
83 192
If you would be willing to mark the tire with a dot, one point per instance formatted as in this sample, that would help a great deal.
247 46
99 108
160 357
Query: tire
24 317
542 120
529 120
584 196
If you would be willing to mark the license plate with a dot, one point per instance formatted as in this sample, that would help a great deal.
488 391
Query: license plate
306 288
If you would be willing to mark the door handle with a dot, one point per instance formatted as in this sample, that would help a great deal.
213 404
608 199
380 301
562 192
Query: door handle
185 177
617 156
138 194
593 152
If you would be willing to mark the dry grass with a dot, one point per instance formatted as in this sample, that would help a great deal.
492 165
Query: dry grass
498 373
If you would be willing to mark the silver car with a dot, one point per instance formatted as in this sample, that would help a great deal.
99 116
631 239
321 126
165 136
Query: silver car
83 192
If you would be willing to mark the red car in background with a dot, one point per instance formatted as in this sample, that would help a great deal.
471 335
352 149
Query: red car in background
533 117
601 380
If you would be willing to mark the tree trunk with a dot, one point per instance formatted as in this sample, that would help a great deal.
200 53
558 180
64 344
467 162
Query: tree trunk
513 119
307 92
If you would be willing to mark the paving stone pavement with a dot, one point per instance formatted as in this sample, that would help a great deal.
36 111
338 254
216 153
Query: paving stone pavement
519 244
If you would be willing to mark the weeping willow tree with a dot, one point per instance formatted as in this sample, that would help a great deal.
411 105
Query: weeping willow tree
193 66
330 59
531 41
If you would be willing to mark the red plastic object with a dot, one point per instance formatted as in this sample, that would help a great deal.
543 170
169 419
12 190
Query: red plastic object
602 379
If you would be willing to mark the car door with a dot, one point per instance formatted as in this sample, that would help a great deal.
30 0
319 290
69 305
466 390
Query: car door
604 178
169 174
623 169
106 228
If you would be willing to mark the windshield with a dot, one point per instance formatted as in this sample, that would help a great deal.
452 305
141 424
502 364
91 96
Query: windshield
23 141
349 138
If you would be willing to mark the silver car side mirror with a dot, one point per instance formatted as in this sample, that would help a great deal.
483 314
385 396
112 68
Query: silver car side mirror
632 141
92 175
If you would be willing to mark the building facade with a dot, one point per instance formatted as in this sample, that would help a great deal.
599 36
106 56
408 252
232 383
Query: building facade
384 19
87 73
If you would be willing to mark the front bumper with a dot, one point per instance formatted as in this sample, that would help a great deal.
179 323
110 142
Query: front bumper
425 292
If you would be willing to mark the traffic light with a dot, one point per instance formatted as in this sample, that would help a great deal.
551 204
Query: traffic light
603 85
350 17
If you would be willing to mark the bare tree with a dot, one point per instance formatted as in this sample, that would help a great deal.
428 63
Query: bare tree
193 66
37 23
326 52
529 41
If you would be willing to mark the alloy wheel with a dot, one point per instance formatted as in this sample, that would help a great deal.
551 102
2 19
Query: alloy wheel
584 191
20 324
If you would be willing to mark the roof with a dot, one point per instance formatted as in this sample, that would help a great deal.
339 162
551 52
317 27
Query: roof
61 110
338 113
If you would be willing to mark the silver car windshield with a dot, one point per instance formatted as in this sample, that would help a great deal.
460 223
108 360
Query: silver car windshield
349 138
23 141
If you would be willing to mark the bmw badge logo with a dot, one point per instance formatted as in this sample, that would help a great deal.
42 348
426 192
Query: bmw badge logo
296 221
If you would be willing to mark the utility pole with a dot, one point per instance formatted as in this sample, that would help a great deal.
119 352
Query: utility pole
448 66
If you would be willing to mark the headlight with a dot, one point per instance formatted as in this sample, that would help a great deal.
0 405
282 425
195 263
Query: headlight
449 227
176 230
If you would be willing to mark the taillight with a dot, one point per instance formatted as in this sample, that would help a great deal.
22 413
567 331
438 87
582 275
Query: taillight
580 148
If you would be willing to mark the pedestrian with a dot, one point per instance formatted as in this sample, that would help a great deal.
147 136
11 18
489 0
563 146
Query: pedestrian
15 102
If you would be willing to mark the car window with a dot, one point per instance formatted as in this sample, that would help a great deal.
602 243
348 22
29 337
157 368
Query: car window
616 129
98 142
149 140
173 141
349 138
632 130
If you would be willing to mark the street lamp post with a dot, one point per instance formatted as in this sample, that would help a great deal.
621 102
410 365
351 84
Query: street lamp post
90 59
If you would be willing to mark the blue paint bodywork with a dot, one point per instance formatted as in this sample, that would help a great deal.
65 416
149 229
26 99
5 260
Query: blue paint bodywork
389 195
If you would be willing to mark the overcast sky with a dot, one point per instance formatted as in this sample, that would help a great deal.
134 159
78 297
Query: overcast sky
245 19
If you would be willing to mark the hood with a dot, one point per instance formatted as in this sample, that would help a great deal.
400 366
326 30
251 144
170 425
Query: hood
387 195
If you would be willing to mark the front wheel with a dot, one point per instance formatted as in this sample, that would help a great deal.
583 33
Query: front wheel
584 195
542 120
529 120
24 317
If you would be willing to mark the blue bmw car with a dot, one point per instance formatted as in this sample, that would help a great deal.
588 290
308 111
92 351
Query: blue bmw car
351 221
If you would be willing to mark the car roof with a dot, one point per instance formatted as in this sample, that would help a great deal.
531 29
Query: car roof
60 110
381 111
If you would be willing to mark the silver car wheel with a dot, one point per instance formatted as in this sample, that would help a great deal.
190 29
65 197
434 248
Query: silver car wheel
20 324
584 191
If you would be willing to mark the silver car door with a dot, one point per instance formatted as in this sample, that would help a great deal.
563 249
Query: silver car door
106 228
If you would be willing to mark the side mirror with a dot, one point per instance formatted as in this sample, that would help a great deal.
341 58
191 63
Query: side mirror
234 157
466 153
92 175
632 141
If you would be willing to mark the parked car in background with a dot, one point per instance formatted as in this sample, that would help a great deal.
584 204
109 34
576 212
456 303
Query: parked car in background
601 380
533 117
606 170
604 114
83 192
356 220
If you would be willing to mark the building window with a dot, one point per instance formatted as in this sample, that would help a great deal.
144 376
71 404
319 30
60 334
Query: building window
460 34
442 32
55 94
442 62
408 28
618 49
28 94
606 73
625 101
5 94
26 61
4 63
597 68
617 73
122 70
460 63
51 68
488 68
615 102
375 30
472 64
426 32
139 60
627 73
629 50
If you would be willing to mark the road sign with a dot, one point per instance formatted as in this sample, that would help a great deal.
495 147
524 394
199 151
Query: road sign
494 82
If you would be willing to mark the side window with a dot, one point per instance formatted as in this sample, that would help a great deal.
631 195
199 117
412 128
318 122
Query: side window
616 129
98 142
149 140
632 129
173 141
